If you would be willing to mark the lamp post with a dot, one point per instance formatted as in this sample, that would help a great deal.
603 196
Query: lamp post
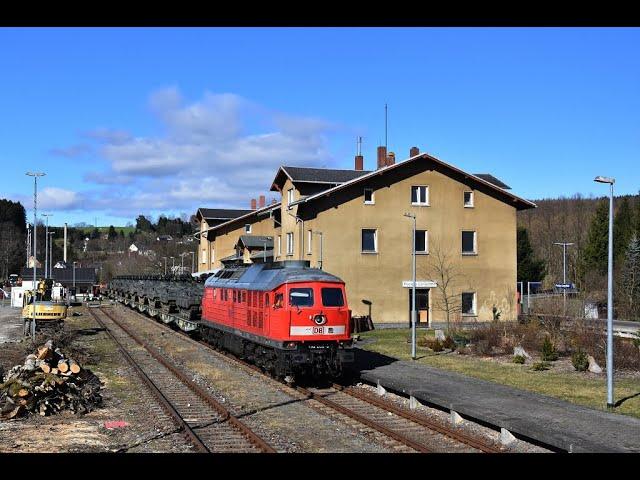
35 176
165 266
193 261
173 265
413 288
610 403
46 245
51 234
564 273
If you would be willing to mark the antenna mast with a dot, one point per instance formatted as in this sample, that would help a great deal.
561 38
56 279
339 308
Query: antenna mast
386 146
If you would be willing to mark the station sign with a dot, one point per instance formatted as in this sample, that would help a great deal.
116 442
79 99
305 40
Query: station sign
419 284
564 285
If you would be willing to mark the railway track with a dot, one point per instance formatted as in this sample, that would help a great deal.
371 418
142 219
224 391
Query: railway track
206 423
412 430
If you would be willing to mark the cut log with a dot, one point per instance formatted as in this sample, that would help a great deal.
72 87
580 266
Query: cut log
45 368
23 392
44 353
75 368
54 371
63 366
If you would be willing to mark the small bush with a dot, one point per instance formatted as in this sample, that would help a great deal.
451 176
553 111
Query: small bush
548 351
449 343
435 345
580 361
540 366
519 359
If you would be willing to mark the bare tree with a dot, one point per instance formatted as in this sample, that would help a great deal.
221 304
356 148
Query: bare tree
445 271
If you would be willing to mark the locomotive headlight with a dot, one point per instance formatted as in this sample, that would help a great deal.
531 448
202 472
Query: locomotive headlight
320 319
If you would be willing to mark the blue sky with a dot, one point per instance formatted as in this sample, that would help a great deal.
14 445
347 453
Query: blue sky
166 120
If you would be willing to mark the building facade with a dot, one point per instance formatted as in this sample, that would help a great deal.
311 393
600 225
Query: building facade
352 224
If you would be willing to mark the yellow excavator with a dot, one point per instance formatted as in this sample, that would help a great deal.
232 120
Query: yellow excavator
47 312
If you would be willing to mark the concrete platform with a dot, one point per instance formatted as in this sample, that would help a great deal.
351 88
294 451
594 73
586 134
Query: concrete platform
554 422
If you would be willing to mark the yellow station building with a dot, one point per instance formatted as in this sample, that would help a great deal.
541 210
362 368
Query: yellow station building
352 224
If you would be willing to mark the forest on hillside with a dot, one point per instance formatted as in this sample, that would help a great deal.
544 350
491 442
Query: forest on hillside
583 221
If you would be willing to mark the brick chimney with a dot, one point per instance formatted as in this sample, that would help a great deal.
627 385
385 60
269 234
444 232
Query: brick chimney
391 158
382 156
253 204
359 162
414 151
262 201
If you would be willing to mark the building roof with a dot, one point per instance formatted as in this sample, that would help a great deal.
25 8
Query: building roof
491 179
519 203
221 213
261 254
256 241
329 176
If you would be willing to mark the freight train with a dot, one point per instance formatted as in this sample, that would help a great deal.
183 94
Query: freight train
289 319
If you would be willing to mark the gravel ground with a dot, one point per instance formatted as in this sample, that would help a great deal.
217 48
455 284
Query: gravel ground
10 324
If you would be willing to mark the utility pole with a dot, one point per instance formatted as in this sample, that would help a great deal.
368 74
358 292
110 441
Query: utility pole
28 243
413 288
193 261
165 266
46 244
51 234
610 403
564 273
35 176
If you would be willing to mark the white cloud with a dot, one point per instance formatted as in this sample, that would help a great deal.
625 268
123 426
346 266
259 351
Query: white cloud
210 154
53 198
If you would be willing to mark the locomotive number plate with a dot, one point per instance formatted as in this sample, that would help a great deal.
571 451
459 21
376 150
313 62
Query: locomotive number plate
317 330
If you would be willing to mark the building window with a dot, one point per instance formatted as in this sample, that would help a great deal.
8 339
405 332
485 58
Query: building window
469 303
204 256
422 241
468 199
309 241
420 195
369 199
247 228
469 243
213 255
290 243
369 240
290 196
279 245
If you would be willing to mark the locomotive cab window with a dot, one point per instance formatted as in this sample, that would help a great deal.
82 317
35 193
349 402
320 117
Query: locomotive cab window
278 301
301 297
332 297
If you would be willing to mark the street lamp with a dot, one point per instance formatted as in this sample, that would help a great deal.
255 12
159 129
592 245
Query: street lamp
46 245
173 265
413 288
165 266
564 273
35 176
610 404
193 261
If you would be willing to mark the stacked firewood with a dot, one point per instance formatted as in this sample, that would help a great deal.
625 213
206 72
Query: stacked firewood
47 383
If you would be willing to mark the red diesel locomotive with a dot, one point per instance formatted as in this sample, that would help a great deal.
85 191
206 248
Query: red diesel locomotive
286 317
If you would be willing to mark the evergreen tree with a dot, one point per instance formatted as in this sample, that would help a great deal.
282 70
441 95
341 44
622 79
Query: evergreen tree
594 255
143 224
112 235
95 233
630 290
623 229
530 269
636 223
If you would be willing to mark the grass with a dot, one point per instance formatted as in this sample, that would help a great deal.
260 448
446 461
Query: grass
575 387
126 230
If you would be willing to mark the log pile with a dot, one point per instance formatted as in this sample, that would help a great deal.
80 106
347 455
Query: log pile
47 383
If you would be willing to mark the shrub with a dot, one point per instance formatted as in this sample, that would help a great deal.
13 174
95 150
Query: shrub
540 366
548 351
580 361
449 343
487 337
435 345
519 359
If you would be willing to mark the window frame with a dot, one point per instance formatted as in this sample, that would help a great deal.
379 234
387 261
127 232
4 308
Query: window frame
373 197
375 241
279 245
309 241
472 203
290 196
426 203
474 304
290 246
475 242
245 228
426 242
204 256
